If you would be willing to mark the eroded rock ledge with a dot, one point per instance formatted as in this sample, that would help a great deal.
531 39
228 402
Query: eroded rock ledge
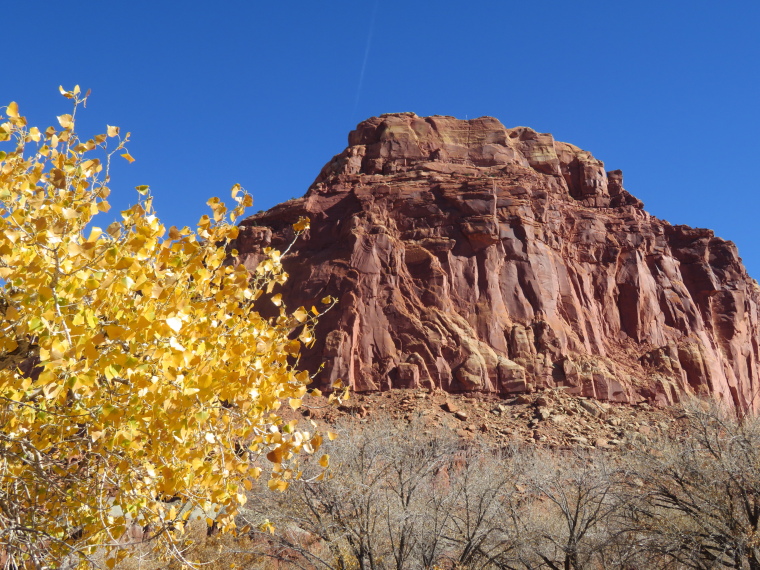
471 257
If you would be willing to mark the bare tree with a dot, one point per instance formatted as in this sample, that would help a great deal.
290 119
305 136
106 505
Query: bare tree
480 531
414 458
401 498
570 524
702 491
333 523
368 511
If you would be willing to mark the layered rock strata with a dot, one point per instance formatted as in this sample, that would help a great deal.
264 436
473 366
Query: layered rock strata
471 257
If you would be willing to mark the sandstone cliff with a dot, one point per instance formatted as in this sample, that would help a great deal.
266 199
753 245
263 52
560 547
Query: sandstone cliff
471 257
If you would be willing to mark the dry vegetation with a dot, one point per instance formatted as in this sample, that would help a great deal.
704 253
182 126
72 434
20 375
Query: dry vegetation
400 495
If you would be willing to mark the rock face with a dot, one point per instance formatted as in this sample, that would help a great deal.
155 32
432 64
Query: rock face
471 257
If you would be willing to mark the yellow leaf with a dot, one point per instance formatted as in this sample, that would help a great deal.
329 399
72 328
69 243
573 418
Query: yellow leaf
267 526
114 229
92 321
306 338
112 131
95 233
275 456
114 332
302 224
128 157
12 110
69 214
324 461
331 436
142 189
277 485
277 300
66 121
294 403
293 348
174 323
300 314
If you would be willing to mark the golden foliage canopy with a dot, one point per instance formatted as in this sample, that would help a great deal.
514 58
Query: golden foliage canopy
134 366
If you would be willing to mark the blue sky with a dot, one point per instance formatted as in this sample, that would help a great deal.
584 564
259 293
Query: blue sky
263 94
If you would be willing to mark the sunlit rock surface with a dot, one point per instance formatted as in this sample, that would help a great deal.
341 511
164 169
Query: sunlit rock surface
471 257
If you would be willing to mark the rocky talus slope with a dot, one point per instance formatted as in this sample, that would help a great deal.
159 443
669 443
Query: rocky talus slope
469 257
548 418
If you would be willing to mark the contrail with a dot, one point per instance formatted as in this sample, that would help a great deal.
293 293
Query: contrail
366 55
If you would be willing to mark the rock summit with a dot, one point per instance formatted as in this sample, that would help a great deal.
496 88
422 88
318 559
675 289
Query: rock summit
469 257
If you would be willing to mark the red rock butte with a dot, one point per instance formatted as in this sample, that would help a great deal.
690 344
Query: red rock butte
470 257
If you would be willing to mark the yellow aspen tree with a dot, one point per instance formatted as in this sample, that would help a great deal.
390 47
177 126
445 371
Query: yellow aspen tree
138 381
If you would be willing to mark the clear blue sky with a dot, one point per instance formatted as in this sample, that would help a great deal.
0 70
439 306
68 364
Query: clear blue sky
264 94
